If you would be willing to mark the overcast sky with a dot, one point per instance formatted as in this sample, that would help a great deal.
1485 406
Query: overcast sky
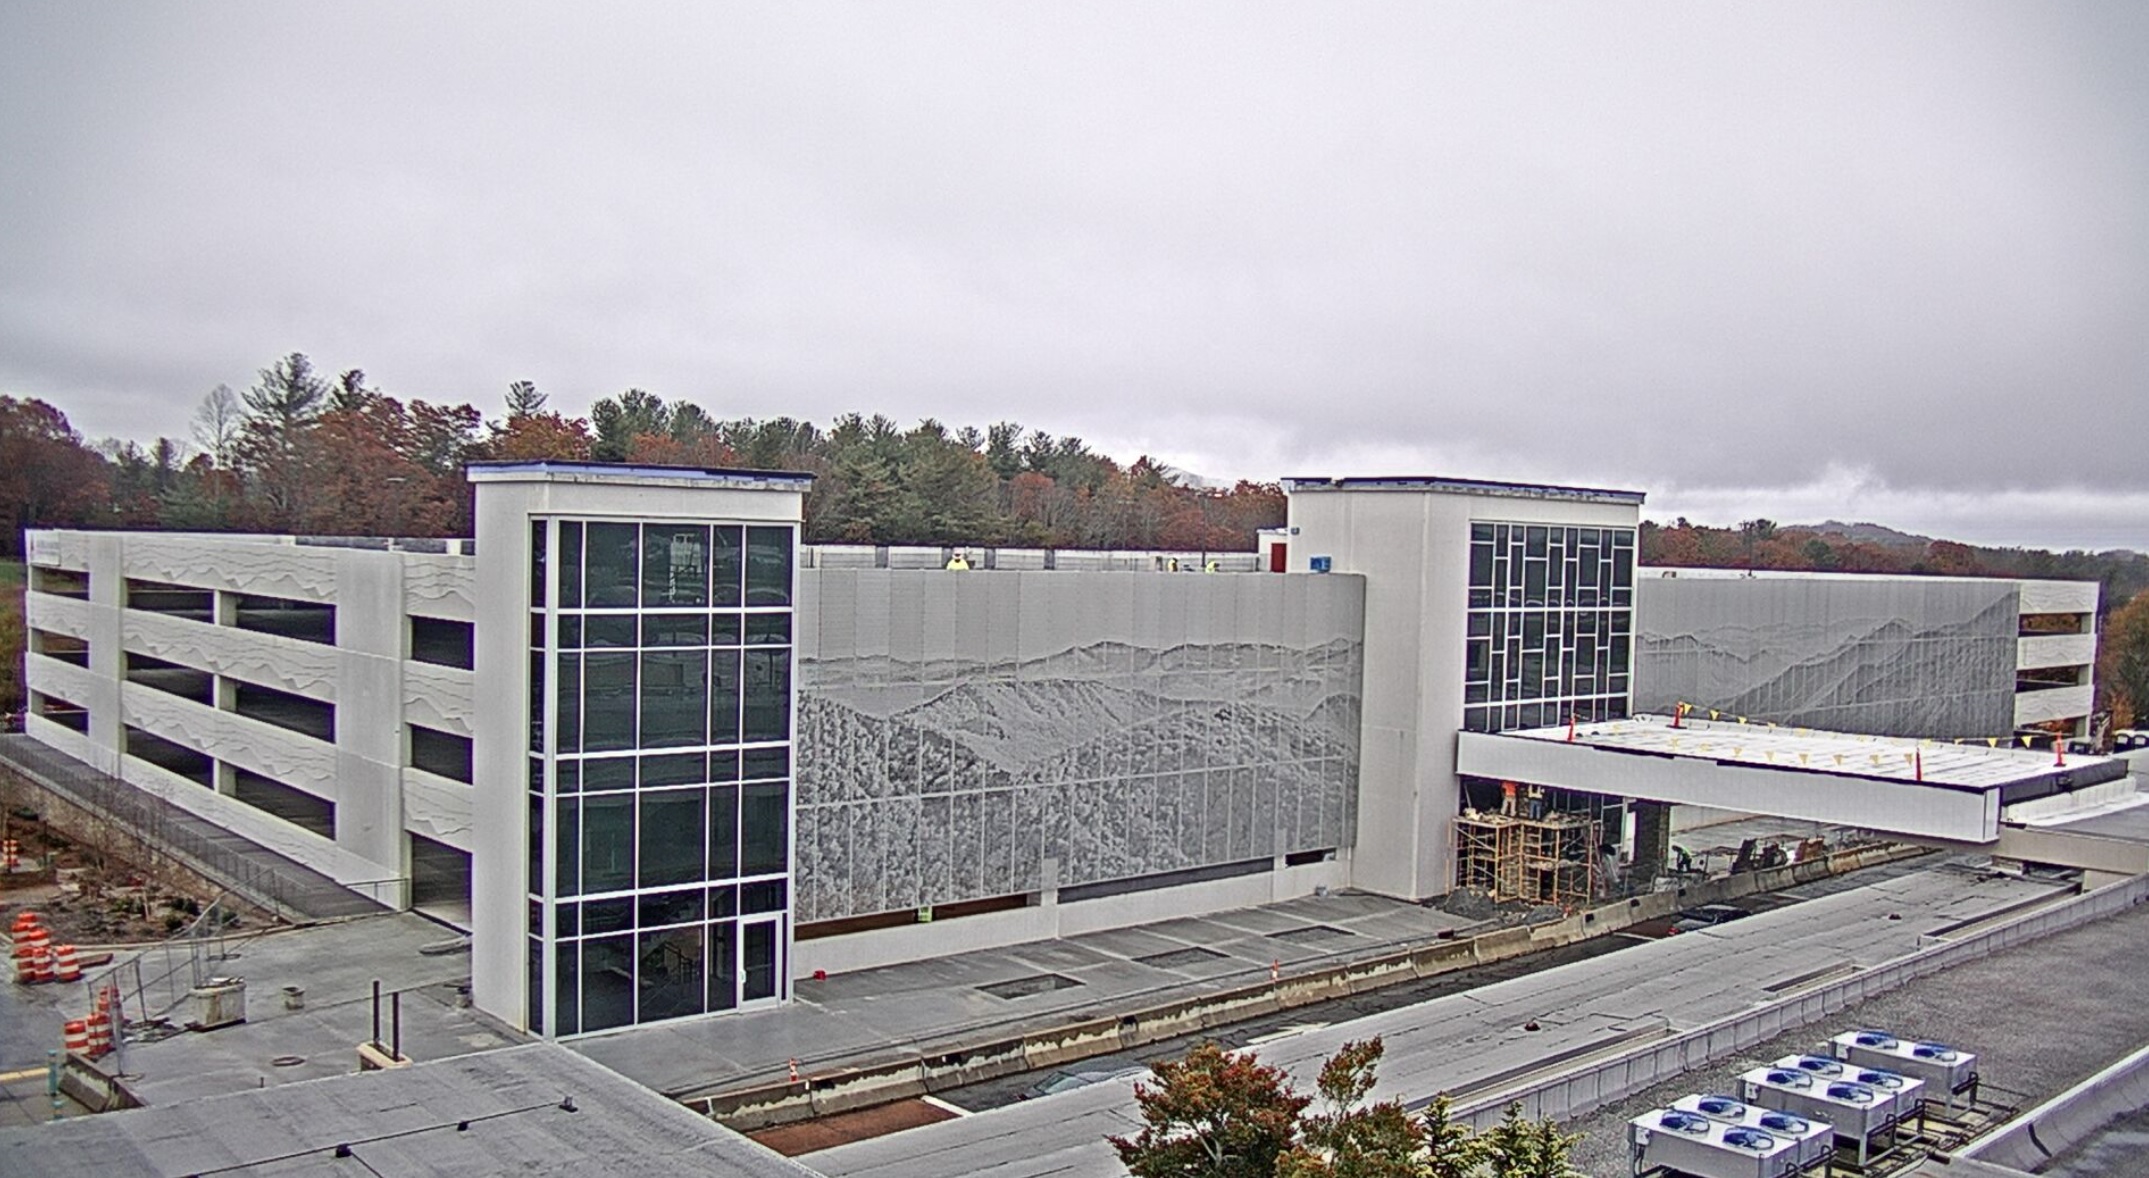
1884 262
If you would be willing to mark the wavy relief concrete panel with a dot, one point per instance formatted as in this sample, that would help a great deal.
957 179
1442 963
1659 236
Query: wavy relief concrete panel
441 586
1898 658
298 761
58 615
937 765
275 570
302 668
292 842
437 807
439 697
74 551
76 685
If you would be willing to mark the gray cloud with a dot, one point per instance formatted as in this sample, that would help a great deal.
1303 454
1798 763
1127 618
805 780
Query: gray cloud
1723 253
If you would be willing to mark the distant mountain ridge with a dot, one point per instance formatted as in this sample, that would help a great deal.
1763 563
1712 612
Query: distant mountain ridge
1865 533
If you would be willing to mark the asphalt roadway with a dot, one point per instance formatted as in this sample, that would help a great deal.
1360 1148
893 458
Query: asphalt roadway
1455 1042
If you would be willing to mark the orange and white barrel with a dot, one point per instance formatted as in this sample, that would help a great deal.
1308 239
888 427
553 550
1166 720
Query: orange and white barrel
77 1038
23 922
65 967
39 941
100 1034
26 963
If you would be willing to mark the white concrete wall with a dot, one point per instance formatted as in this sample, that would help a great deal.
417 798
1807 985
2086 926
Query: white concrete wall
365 675
2061 597
2053 703
2055 650
1413 548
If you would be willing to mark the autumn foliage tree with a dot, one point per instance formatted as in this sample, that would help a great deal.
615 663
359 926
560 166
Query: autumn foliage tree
1349 1138
1212 1115
2123 663
1219 1115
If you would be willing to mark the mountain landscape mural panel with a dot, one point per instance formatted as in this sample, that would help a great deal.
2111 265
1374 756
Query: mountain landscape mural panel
966 729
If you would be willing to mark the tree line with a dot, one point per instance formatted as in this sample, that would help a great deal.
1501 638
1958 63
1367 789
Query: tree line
1764 544
304 451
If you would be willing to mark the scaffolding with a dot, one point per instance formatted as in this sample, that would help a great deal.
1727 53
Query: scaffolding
1548 858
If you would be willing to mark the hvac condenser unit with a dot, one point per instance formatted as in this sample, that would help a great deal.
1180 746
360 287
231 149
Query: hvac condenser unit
1854 1110
1816 1139
1944 1069
1900 1095
1693 1144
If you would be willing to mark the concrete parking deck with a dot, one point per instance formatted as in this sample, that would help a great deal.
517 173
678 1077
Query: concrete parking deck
1496 1035
335 964
918 1008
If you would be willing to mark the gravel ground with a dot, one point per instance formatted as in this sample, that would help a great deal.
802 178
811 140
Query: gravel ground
2041 1017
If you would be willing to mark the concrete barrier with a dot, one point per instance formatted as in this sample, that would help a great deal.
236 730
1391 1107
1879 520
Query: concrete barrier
2068 1119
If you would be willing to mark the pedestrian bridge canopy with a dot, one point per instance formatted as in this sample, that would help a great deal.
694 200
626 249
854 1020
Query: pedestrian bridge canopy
1935 790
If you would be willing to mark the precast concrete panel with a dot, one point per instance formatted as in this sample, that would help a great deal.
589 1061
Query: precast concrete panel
1113 724
1889 656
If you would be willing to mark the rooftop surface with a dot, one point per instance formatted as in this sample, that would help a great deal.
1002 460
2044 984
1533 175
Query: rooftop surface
1452 486
535 1109
1466 1040
1729 740
335 964
2041 1016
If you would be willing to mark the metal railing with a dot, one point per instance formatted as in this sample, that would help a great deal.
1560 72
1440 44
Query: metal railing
162 833
153 981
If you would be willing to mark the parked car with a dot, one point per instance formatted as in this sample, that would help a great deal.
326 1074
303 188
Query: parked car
1059 1082
1707 916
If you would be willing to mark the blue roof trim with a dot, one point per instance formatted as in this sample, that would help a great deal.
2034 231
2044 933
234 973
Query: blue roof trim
1464 487
637 470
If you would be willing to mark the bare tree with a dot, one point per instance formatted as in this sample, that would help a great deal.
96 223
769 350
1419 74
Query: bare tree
216 424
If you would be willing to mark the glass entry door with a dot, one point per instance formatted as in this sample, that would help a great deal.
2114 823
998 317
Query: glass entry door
760 961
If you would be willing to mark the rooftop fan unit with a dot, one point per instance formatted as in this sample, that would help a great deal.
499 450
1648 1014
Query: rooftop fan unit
1693 1144
1951 1074
1855 1111
1819 1065
1815 1140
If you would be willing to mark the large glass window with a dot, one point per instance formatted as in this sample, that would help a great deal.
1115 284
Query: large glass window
607 982
768 566
672 825
1549 623
767 714
607 842
764 823
611 565
672 964
675 565
675 698
665 809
